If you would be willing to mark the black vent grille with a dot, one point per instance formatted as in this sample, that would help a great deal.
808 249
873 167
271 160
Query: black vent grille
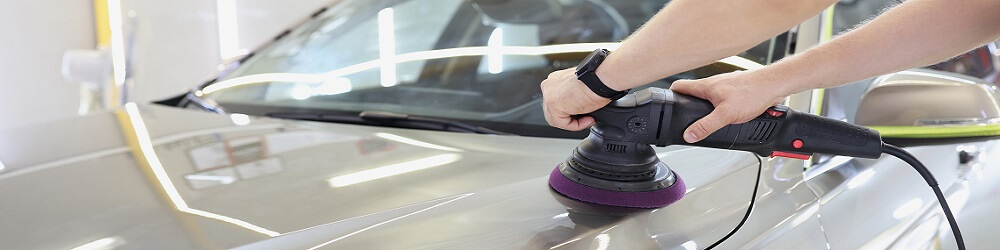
760 131
615 148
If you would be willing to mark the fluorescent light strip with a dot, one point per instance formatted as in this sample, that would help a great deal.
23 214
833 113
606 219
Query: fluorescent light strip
387 47
394 169
908 208
603 241
102 243
565 243
414 142
221 179
117 44
494 56
860 179
805 215
240 119
229 40
146 146
435 54
401 58
690 245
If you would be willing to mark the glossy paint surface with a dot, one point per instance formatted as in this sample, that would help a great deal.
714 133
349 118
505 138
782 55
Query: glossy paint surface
157 177
214 181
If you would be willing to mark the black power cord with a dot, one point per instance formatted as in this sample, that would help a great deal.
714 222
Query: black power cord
910 159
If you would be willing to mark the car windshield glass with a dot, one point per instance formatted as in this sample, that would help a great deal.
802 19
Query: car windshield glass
478 61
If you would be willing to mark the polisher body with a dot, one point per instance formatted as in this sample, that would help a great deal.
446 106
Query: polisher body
615 165
659 117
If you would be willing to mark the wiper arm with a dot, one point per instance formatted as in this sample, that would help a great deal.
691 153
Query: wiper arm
204 104
390 119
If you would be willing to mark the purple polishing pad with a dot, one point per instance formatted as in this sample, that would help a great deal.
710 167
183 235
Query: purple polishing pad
649 199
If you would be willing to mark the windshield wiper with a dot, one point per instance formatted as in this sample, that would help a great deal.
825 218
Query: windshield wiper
390 119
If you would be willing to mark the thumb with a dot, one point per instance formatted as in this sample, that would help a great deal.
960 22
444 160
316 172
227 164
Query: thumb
705 126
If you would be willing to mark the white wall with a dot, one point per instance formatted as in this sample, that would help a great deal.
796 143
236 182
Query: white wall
261 20
175 45
177 42
35 34
176 48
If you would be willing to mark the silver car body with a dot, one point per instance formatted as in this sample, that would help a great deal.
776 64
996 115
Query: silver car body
154 177
132 178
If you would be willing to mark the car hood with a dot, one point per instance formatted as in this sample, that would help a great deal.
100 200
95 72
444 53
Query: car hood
161 177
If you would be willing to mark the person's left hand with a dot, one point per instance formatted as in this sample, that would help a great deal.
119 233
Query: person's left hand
564 96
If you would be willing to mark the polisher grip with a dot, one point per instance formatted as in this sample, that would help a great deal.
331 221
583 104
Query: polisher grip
781 131
659 116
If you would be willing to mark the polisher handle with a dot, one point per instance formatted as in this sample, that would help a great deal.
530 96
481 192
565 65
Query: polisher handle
659 116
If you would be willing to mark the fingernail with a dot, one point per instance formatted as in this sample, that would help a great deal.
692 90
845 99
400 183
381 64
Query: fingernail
689 137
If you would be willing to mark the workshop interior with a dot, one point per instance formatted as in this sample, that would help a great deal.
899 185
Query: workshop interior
420 124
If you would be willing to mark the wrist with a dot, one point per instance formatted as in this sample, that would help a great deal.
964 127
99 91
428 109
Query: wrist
586 72
611 76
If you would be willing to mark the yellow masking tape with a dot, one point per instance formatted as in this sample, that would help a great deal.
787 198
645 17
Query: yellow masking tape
937 131
101 24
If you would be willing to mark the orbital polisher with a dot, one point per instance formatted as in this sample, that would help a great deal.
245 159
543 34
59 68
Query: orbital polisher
616 166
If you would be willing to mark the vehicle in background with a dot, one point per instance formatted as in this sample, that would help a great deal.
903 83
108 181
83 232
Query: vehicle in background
431 136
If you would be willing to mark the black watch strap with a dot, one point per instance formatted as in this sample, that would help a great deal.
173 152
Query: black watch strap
586 72
595 84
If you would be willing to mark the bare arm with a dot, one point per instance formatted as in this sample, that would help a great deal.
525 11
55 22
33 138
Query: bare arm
684 35
915 33
692 33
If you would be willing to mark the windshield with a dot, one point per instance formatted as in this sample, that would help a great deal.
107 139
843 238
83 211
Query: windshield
476 61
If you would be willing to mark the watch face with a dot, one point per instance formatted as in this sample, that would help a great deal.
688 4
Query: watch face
591 61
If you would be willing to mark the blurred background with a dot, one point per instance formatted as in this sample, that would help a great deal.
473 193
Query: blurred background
63 59
54 47
171 46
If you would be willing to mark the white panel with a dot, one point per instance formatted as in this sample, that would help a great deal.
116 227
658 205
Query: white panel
36 33
177 43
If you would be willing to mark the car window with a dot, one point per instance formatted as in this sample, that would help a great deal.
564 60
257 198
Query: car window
478 61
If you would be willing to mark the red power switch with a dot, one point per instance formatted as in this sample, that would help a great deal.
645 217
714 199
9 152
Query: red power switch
789 155
774 113
797 143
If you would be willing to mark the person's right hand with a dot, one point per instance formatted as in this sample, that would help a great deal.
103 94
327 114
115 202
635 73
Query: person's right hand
564 96
738 97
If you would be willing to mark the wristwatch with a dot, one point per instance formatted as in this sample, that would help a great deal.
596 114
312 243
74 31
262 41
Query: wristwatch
586 72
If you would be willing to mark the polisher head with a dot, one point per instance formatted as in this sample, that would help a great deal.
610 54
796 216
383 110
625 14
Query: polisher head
636 199
616 173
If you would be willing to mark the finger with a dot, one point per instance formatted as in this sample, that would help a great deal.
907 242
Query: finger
688 87
556 118
580 123
706 126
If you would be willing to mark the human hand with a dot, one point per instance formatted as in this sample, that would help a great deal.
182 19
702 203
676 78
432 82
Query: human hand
738 97
564 96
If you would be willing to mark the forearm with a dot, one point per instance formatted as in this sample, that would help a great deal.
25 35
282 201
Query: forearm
914 34
691 33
